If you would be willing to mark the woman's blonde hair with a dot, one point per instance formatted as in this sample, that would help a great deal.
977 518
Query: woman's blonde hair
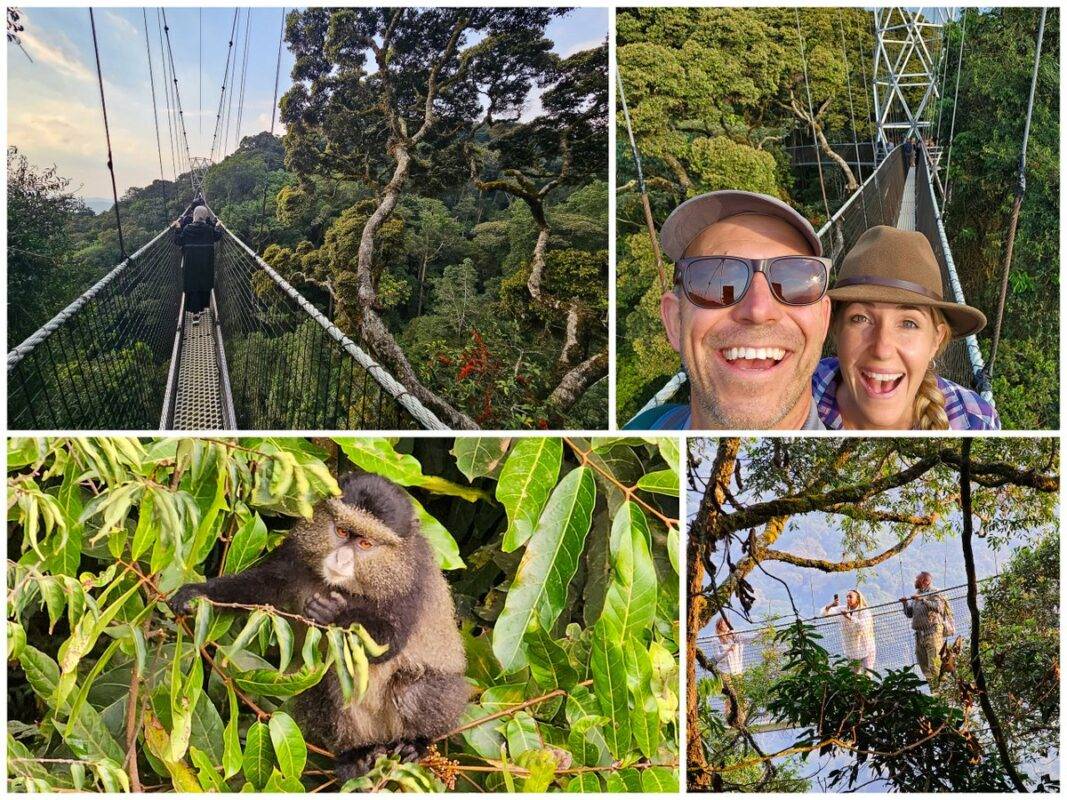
863 600
928 411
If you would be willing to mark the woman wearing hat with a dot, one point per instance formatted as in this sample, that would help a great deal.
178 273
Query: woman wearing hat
890 322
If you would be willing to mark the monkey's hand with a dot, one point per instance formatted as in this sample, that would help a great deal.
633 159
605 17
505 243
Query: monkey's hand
181 602
325 608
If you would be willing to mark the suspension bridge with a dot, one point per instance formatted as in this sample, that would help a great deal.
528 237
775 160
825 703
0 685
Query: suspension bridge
126 354
912 73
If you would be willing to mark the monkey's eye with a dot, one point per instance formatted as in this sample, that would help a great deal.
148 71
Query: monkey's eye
344 533
363 543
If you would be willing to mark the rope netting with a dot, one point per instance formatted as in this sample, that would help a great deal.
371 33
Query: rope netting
101 362
962 362
290 367
893 636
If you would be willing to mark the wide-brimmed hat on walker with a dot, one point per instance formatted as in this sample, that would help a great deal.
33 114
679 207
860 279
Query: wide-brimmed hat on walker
887 265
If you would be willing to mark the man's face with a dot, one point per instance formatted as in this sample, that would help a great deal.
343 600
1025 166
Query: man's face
728 389
922 582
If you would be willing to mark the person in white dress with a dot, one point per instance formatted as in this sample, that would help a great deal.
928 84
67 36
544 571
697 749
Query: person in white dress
857 629
729 649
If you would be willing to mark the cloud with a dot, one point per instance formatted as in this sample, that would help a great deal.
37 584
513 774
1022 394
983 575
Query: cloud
578 47
125 27
62 55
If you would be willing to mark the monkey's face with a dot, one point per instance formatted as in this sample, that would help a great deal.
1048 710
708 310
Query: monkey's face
361 554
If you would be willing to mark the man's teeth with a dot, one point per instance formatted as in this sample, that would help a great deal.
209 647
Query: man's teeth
752 353
882 376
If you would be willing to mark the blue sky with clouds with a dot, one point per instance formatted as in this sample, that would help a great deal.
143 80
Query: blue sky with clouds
54 103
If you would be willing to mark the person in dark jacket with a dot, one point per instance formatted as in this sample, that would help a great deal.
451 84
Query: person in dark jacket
909 153
197 240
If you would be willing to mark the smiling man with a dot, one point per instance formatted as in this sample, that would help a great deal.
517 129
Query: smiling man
748 314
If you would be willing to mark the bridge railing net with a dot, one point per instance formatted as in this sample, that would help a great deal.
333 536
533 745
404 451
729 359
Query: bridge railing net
893 636
102 361
962 361
290 367
877 202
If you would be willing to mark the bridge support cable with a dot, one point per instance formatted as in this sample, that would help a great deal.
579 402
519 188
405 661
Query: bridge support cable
952 127
1020 190
155 113
244 76
848 84
107 135
177 93
169 108
962 362
811 114
273 115
222 91
101 362
291 367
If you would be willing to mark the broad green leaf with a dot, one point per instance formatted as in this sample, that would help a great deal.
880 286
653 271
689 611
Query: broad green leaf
664 682
289 747
668 450
271 683
644 715
477 456
548 661
282 784
484 739
247 545
609 686
525 482
659 780
672 549
284 634
206 771
259 756
664 481
521 733
16 640
232 758
444 545
379 456
547 566
203 622
542 765
256 620
207 732
586 783
625 780
630 604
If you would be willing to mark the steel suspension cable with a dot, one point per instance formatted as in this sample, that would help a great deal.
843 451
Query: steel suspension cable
952 127
273 113
228 117
155 114
1020 190
649 221
222 92
244 75
200 73
107 134
811 116
848 83
943 56
169 107
177 92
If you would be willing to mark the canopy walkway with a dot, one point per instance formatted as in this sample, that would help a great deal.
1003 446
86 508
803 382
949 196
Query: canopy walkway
125 354
893 636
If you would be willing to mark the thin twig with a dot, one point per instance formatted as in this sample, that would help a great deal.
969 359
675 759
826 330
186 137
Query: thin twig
508 712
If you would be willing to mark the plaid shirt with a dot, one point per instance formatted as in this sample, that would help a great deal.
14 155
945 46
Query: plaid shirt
966 410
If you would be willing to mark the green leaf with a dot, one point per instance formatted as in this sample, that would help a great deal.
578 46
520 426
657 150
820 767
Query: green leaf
547 566
206 771
664 481
668 450
521 734
625 780
16 640
289 747
271 683
526 480
548 660
207 733
630 604
443 543
259 756
645 712
477 456
231 741
379 456
659 780
256 620
203 622
609 686
247 545
542 765
585 783
672 549
284 634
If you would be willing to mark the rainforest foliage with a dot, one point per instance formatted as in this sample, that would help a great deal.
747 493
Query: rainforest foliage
440 193
719 96
561 555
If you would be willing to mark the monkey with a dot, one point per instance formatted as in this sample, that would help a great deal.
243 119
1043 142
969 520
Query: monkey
363 559
949 655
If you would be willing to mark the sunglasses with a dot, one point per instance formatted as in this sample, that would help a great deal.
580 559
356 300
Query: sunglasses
722 281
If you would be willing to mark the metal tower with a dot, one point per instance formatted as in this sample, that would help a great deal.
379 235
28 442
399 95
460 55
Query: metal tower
198 165
907 60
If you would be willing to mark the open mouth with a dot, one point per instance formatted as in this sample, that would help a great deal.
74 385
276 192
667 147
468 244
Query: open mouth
754 358
881 384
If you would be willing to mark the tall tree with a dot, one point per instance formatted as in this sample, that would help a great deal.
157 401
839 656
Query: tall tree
385 96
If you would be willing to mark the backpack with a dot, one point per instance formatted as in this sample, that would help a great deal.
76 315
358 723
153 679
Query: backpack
947 618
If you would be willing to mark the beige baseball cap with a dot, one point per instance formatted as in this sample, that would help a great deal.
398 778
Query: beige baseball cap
687 221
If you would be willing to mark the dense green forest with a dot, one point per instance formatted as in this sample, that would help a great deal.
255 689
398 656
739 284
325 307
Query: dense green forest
717 95
561 555
460 239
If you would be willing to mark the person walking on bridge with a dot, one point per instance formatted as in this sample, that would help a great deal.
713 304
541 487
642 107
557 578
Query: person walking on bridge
197 240
909 152
857 629
931 621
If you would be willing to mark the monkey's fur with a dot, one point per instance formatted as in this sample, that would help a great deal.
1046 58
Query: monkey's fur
417 688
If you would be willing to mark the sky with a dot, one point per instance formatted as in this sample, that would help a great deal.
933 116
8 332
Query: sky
54 115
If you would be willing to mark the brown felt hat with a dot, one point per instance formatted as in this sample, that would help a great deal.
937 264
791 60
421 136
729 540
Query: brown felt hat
887 265
694 215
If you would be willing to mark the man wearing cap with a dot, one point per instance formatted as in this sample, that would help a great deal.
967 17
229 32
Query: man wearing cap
748 314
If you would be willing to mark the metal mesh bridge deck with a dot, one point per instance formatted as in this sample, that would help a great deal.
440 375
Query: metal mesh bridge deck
199 392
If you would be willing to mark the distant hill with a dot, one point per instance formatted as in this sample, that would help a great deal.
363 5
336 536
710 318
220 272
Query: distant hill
98 204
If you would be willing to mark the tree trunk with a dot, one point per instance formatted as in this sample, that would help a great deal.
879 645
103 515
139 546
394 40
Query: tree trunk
574 384
537 261
824 146
976 630
699 779
422 288
371 327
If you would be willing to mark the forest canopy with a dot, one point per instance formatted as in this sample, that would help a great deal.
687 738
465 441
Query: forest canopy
440 193
560 554
717 96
